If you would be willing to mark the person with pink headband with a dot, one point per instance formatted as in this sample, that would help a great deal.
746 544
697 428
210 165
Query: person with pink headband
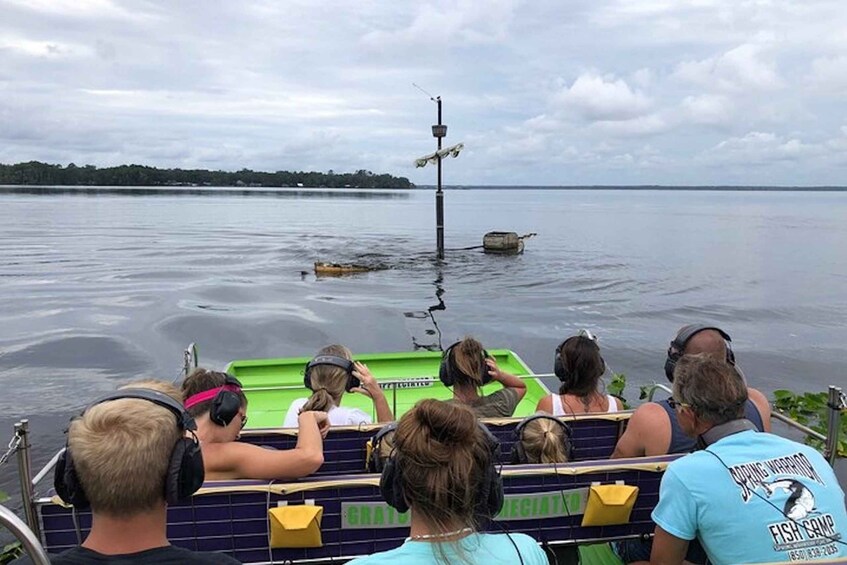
219 407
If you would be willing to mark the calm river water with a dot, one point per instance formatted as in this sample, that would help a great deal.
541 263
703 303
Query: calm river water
98 290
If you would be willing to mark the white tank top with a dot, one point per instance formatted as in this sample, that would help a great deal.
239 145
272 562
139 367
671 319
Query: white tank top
559 408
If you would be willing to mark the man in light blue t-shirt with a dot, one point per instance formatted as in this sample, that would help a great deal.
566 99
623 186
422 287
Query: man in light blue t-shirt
747 496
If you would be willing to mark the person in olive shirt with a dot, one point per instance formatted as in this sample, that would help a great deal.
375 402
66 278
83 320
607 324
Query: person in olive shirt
467 367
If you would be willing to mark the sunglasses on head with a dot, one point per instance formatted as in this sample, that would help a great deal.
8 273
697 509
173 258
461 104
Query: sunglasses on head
674 403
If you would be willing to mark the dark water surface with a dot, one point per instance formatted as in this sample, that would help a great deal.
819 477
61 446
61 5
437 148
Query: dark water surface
98 290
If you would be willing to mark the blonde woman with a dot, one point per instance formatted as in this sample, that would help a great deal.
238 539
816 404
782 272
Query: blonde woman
329 375
542 438
443 469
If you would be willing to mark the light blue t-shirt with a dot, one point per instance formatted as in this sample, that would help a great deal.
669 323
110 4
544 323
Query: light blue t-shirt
777 501
479 549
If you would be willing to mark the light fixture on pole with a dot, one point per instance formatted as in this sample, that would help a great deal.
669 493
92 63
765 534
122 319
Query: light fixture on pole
439 131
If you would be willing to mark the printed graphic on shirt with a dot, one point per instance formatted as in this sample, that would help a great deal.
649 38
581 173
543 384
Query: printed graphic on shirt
805 533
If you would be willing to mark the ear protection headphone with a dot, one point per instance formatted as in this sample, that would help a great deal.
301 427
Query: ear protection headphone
519 452
489 499
560 368
185 468
335 361
677 347
375 463
448 371
226 400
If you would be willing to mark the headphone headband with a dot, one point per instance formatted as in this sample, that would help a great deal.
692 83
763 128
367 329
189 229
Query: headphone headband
678 344
519 451
183 419
333 360
689 331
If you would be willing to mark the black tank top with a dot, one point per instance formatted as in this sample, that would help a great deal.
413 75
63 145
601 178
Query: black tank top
681 443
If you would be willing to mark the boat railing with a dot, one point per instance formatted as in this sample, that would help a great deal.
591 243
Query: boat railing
25 535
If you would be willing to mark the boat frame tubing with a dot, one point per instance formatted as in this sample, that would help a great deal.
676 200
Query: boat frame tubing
28 538
25 476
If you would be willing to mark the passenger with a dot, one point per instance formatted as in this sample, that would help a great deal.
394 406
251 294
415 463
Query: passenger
443 468
579 366
329 375
123 456
654 428
765 499
467 367
218 404
541 438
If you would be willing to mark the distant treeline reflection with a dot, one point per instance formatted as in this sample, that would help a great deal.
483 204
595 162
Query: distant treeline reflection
37 173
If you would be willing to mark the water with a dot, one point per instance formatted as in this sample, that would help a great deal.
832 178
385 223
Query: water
99 290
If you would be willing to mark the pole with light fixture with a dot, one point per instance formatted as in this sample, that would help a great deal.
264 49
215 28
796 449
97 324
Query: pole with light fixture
439 131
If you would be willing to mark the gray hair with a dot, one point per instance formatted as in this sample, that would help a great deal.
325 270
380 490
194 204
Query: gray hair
711 387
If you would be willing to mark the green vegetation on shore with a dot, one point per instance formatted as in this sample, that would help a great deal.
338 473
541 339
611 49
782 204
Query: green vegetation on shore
45 174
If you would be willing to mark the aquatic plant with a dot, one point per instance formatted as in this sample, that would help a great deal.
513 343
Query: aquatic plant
810 409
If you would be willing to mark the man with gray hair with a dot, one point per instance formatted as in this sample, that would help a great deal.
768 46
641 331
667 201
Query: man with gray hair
746 496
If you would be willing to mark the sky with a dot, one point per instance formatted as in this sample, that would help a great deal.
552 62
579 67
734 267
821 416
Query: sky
541 92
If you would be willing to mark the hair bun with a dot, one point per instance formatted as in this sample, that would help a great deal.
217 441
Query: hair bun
446 423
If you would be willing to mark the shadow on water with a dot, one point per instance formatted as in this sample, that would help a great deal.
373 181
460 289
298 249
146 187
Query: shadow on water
430 315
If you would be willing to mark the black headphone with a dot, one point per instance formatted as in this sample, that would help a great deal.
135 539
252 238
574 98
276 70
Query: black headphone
375 463
560 368
677 347
489 500
185 468
334 360
519 452
448 371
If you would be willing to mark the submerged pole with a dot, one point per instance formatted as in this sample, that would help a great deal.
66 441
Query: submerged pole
439 131
833 424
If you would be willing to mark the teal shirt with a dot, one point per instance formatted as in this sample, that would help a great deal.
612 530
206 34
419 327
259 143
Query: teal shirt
778 501
479 549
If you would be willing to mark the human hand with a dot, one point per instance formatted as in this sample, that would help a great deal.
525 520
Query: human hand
321 419
369 386
493 370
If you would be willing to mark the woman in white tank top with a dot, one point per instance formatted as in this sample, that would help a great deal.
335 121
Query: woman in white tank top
579 366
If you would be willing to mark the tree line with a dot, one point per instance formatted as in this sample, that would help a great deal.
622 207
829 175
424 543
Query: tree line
37 173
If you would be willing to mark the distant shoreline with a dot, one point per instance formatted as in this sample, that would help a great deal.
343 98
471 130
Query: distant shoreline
266 191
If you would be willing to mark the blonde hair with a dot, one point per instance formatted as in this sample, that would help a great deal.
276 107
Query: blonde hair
121 451
468 359
328 381
544 441
444 457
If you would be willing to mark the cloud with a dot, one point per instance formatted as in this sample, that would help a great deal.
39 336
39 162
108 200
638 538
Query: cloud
740 69
599 98
760 148
829 74
709 109
457 22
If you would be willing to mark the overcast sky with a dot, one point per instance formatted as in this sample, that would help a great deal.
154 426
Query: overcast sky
548 92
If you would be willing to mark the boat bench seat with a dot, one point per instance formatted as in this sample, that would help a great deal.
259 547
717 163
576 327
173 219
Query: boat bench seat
232 516
594 437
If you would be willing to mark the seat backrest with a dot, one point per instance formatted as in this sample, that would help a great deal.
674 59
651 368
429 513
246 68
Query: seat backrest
594 437
232 516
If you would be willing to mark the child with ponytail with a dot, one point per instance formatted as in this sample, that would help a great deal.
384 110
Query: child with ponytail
330 374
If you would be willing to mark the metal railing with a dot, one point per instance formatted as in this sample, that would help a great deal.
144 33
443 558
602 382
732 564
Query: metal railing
27 537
